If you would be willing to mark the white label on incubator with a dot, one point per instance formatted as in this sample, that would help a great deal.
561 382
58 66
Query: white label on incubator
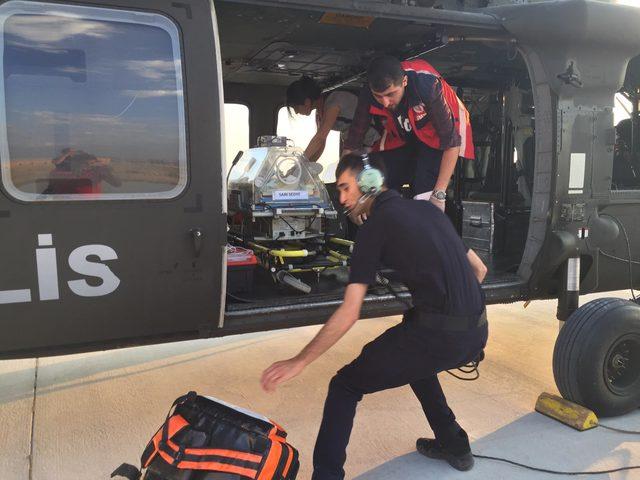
290 195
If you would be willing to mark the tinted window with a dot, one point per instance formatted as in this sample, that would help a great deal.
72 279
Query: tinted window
93 104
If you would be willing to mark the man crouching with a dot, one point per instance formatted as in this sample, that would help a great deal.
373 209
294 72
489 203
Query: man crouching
446 328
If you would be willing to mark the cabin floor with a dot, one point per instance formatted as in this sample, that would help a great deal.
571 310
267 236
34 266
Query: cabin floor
331 283
81 416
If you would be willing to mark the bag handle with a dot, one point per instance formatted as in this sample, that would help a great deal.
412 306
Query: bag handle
127 471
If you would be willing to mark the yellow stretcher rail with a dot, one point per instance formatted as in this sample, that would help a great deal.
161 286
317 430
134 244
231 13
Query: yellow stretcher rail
280 254
338 255
289 253
342 241
257 247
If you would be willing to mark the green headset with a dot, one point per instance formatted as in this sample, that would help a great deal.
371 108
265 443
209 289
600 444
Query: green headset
370 180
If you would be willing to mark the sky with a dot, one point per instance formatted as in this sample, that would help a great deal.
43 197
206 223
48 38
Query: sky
106 87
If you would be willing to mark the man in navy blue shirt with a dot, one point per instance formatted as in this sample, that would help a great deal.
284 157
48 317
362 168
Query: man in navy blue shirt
445 329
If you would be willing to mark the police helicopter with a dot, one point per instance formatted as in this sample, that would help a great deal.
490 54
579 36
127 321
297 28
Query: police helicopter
124 224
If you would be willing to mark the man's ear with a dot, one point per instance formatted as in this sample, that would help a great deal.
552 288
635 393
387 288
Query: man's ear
405 81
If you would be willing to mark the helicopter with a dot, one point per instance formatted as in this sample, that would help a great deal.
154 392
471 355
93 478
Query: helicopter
114 200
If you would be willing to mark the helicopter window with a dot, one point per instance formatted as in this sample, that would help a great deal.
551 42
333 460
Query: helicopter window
93 106
236 132
301 130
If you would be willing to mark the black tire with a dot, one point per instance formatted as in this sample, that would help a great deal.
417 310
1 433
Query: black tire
596 359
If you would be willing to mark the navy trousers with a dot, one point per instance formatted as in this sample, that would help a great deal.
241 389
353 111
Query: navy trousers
406 354
415 164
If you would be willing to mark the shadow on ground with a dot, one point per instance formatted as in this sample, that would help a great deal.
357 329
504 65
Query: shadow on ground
518 441
77 370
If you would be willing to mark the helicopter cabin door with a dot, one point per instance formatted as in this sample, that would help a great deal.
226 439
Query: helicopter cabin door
112 219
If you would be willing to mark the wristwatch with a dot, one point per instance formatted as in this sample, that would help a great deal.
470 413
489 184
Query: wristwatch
440 195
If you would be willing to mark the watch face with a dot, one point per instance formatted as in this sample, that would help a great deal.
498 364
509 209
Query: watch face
440 195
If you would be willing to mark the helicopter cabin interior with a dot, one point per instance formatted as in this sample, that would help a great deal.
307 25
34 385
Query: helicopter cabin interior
265 48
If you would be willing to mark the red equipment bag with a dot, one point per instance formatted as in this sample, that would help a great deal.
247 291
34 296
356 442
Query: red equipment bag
207 439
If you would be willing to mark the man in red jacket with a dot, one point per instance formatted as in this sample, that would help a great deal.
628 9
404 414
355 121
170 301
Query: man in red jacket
424 126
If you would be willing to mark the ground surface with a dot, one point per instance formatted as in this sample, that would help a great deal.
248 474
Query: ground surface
95 411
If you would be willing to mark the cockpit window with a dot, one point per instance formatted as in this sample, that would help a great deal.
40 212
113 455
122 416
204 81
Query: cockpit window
93 104
626 152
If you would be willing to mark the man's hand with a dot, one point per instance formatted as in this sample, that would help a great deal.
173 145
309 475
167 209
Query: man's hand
438 203
479 268
332 331
281 372
359 219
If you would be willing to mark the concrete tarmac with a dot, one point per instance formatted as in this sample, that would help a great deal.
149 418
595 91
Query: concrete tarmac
80 416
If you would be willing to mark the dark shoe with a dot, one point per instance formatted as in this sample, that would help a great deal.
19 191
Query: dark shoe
459 459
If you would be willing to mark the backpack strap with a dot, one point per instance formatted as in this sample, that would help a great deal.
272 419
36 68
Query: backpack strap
132 473
175 423
178 401
209 459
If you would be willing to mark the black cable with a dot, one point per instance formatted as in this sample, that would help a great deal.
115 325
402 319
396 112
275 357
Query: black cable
471 368
466 379
262 204
619 430
556 472
629 260
290 226
620 259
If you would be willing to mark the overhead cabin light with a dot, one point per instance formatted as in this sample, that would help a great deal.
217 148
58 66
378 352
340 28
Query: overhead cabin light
347 20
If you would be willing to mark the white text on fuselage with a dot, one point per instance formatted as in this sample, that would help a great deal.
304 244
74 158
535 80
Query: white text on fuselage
47 271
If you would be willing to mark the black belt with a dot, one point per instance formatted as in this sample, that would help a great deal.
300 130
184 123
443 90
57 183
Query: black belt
449 323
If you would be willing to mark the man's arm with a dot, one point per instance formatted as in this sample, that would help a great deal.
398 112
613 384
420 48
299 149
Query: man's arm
478 267
442 119
440 114
447 166
332 331
317 143
314 156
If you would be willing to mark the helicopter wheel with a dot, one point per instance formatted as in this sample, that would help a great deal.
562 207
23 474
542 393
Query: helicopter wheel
596 360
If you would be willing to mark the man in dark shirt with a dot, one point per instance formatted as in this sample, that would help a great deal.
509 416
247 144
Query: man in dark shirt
424 126
445 329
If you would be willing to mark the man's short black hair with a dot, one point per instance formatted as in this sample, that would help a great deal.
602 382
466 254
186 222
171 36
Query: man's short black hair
354 163
384 72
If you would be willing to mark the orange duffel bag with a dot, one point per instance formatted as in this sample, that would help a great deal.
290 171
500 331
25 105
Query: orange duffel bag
205 438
